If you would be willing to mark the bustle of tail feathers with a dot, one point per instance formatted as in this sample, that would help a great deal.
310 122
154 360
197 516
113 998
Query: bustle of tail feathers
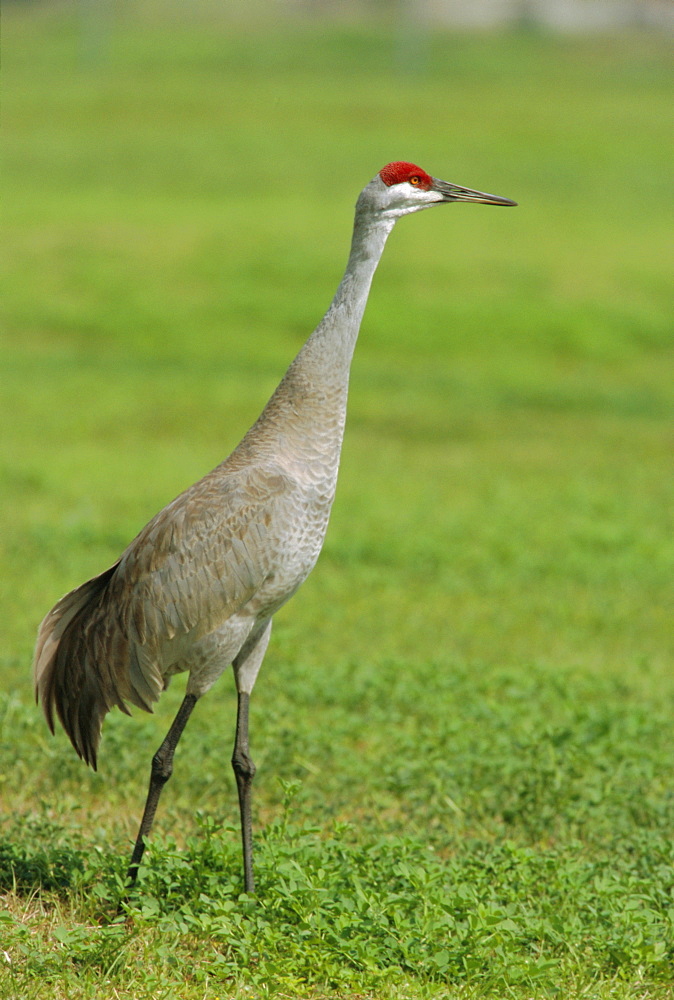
65 677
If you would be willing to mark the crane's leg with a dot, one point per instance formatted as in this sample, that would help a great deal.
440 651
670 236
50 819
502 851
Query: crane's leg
246 667
162 768
244 771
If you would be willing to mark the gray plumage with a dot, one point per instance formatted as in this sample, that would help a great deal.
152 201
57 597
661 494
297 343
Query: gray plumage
196 590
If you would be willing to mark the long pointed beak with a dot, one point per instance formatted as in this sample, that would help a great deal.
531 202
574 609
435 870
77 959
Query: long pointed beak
453 192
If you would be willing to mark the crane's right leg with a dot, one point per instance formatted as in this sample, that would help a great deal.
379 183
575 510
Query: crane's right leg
162 768
246 667
244 772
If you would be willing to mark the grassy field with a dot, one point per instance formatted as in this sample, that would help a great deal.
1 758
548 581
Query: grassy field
464 727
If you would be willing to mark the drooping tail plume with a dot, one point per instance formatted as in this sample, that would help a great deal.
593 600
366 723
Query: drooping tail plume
68 671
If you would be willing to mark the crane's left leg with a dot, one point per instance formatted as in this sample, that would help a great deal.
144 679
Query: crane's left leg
162 768
246 667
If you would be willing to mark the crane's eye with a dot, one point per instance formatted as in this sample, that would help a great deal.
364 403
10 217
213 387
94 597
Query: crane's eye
415 179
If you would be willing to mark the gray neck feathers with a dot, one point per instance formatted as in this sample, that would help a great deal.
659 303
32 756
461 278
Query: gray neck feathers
308 408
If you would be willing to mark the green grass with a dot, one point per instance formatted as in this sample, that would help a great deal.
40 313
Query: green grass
464 727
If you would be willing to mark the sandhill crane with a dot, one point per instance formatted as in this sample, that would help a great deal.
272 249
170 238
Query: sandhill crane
196 590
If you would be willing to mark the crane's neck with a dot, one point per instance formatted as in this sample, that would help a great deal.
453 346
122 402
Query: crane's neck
303 422
331 345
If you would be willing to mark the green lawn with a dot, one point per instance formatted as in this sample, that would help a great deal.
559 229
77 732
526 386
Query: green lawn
464 727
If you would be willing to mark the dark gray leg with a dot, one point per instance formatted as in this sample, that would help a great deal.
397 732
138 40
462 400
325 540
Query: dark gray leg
246 666
162 768
244 770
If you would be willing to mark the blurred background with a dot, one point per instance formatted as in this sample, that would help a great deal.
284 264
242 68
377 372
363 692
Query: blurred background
179 181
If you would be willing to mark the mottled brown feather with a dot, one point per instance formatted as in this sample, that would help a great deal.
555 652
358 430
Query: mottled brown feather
197 562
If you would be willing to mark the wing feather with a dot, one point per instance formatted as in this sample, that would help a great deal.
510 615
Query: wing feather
193 566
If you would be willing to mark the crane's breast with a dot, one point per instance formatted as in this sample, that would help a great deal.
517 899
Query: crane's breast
239 539
296 532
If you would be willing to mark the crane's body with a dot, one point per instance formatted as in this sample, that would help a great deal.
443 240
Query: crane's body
196 590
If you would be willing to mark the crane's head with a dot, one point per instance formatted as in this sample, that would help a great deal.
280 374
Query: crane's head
400 188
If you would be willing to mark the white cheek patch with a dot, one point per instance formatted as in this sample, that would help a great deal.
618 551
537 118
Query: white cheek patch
408 197
416 192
